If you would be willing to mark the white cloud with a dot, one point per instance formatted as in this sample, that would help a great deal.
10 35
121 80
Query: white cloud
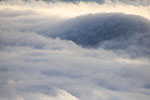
36 67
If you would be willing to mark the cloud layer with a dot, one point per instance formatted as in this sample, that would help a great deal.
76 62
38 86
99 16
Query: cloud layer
35 66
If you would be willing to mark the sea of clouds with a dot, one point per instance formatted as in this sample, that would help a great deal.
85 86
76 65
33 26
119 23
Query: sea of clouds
37 63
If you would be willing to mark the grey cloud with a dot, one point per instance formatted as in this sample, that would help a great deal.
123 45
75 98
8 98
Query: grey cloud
111 31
